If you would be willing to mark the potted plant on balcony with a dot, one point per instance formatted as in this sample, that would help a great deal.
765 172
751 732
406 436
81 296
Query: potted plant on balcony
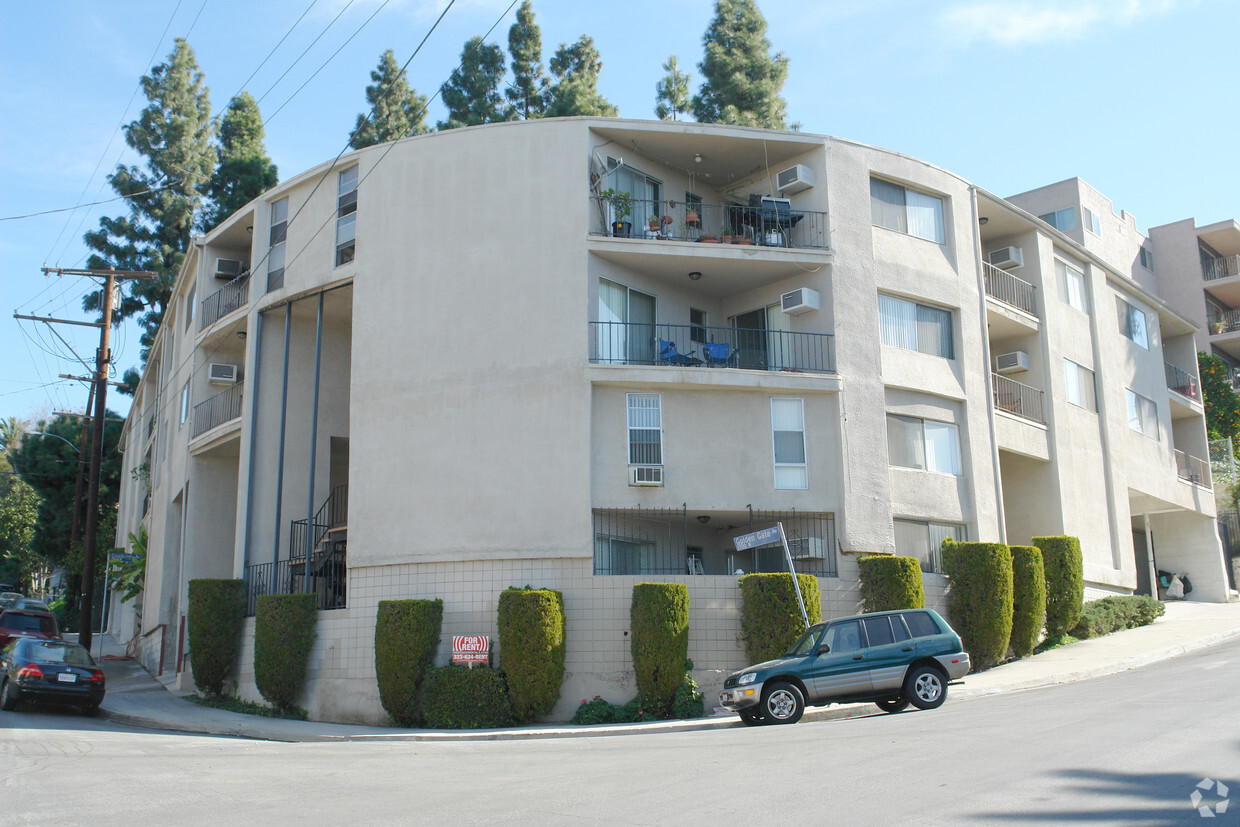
621 207
1217 327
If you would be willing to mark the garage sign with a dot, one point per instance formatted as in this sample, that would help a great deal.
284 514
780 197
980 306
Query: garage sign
471 649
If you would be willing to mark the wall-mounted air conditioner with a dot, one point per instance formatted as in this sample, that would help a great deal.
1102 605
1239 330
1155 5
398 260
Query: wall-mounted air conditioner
794 179
228 268
646 475
807 548
219 373
798 302
1005 258
1015 362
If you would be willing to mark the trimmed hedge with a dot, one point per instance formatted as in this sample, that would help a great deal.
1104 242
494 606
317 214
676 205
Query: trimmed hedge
459 698
980 603
283 635
659 633
890 583
1111 614
406 640
531 646
216 614
1065 582
770 617
1028 599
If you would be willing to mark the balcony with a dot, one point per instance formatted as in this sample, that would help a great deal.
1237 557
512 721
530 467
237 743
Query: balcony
1182 382
1007 288
681 346
1191 469
1220 268
770 224
225 406
1018 399
234 295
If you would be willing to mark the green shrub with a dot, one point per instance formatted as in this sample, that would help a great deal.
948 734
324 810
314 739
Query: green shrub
770 617
1116 612
687 702
532 644
406 640
1065 582
659 639
459 698
595 711
283 635
891 583
216 614
980 602
1028 599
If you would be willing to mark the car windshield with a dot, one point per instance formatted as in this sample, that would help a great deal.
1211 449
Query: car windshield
69 653
805 645
28 623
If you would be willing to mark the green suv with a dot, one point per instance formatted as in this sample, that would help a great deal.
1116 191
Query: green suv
891 658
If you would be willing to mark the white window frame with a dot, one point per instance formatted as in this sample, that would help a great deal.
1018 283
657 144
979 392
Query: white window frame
900 324
346 216
184 403
931 433
916 213
1080 387
1091 221
630 409
929 553
1142 414
276 244
1063 220
1133 323
788 476
189 306
1069 277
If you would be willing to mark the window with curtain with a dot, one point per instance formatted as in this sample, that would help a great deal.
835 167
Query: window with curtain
907 211
1132 323
1142 414
1146 258
275 250
346 217
622 555
1079 385
924 539
645 428
911 326
788 438
189 307
1072 286
1063 220
626 325
923 444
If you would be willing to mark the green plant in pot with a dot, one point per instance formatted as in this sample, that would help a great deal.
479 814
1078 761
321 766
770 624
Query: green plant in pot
621 208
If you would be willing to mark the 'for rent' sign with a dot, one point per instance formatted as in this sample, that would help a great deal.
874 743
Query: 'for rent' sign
470 649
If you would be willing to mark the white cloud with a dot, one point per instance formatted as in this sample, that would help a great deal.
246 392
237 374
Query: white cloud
1014 23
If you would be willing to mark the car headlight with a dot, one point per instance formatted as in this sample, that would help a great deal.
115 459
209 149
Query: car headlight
747 678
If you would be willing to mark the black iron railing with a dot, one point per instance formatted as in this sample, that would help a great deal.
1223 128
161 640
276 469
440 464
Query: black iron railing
1221 268
1019 399
328 580
1182 382
334 513
225 406
772 224
230 297
626 343
1009 289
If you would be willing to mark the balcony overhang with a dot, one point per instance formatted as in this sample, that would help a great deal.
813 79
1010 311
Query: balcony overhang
1223 237
704 378
1005 321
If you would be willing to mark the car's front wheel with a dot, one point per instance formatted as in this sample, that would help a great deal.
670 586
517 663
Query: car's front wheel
782 703
750 718
925 687
8 696
893 704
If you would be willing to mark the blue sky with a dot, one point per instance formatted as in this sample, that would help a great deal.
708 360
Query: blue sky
1134 96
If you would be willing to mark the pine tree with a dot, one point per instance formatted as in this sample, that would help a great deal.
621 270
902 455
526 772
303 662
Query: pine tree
672 93
741 80
576 69
396 110
245 171
173 135
528 93
472 92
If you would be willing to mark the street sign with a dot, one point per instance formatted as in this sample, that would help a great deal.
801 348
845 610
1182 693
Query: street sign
762 537
471 649
121 557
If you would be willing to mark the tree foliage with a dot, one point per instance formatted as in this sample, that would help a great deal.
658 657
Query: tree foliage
471 94
396 109
741 80
19 513
576 69
528 92
1221 402
672 92
245 171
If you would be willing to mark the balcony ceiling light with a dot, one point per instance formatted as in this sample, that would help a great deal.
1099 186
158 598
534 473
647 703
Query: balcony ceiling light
695 275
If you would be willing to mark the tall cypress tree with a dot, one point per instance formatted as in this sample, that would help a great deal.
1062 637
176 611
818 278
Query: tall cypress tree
672 93
741 80
528 93
576 69
245 170
396 109
173 135
472 91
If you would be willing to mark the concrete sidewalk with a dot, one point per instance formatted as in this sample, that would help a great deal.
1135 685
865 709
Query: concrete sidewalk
137 698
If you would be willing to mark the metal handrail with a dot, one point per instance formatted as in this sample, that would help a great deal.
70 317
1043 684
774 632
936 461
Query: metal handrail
328 580
1221 268
1192 469
1019 399
225 406
1007 288
630 343
1182 382
768 226
230 297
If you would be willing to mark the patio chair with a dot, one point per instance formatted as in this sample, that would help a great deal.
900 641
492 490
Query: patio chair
669 355
720 355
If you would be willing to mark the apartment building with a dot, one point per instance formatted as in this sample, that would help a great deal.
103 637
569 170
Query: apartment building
584 353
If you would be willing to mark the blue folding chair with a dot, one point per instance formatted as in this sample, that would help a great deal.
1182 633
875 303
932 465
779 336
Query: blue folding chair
720 355
669 354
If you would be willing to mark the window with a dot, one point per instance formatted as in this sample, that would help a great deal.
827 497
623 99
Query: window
1079 384
844 637
645 429
624 555
646 193
923 444
346 217
275 249
1072 286
184 403
1090 218
1062 220
1142 414
921 624
878 631
912 326
788 438
1132 323
189 307
924 540
697 325
907 211
625 325
1146 258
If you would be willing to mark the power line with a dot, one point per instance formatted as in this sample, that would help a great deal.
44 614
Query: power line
91 204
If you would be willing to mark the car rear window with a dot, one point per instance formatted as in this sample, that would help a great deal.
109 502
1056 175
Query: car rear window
58 653
28 623
921 624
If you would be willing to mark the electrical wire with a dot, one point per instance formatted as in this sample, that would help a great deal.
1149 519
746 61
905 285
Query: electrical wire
91 204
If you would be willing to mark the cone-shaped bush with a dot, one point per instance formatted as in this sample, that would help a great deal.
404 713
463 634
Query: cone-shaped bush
1065 582
980 603
283 635
215 616
532 644
406 639
1028 599
770 617
659 629
891 583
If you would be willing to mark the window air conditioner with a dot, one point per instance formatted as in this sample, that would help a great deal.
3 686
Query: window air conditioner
807 548
1015 362
643 475
219 373
227 268
794 179
1005 258
800 301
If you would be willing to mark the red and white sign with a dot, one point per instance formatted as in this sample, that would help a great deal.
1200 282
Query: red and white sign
471 649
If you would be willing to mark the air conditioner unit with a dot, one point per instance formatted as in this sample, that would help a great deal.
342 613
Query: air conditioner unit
219 373
228 268
799 302
1015 362
807 548
794 179
643 475
1005 258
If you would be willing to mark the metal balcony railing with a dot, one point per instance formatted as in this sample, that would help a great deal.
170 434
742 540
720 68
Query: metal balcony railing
223 407
1182 382
328 580
1019 399
767 226
1223 321
1192 469
1007 288
228 298
626 343
1221 268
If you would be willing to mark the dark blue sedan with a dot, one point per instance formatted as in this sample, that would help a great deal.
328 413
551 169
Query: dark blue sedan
51 671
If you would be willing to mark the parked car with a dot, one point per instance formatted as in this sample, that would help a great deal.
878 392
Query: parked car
50 671
31 603
890 658
7 599
29 623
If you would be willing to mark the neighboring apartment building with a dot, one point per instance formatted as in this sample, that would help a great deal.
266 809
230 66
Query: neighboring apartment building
584 353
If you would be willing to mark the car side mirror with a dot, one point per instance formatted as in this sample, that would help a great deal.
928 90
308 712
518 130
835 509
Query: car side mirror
824 648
